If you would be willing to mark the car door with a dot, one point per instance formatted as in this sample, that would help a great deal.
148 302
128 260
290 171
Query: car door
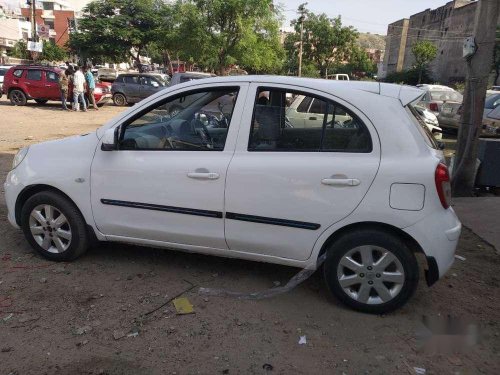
52 90
132 89
166 181
149 86
286 185
34 83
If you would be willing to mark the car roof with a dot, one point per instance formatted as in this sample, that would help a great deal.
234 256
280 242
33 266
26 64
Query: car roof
405 94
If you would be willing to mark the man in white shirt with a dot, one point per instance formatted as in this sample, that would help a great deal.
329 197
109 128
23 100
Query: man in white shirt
79 89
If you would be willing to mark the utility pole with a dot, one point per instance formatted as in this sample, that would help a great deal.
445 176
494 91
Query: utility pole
302 11
478 69
34 38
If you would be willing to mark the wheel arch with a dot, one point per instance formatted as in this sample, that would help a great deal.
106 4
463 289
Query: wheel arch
390 229
18 89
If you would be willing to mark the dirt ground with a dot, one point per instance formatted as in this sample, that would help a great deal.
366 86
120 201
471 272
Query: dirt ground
105 312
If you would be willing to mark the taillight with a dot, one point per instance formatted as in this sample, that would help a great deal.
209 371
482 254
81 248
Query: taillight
433 107
443 185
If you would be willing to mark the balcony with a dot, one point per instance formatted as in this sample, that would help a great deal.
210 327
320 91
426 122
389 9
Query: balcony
48 14
4 42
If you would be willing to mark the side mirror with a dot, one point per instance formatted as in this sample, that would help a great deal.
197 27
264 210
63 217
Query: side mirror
111 138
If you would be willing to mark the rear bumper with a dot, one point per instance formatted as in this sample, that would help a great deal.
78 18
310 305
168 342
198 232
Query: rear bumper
448 122
438 236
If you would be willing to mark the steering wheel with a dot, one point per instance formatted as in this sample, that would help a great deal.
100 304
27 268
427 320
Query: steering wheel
204 134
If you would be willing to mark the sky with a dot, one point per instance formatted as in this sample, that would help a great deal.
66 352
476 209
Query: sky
365 15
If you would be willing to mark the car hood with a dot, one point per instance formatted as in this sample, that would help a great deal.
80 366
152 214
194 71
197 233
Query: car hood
82 145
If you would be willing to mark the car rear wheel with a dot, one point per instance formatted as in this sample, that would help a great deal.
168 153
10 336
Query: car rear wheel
371 271
41 101
54 226
119 100
17 97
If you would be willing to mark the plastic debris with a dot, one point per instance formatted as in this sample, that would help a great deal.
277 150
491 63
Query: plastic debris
82 330
291 284
459 257
8 317
183 306
302 340
419 370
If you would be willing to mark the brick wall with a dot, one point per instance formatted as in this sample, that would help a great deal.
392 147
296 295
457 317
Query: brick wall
60 23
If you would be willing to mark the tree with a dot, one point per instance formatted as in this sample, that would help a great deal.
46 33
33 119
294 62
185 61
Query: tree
52 52
496 57
226 32
359 63
20 51
326 43
117 30
424 52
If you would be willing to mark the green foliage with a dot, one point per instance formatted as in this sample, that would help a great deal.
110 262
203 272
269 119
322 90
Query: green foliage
424 52
410 77
359 63
116 30
52 52
20 51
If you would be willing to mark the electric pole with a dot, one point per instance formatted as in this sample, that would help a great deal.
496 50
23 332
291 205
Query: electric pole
302 11
478 69
32 4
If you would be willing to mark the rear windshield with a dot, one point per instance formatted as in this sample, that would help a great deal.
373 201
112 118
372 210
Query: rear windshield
422 128
492 102
446 95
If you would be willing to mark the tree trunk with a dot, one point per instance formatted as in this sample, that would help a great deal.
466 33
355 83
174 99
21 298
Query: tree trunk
420 75
168 61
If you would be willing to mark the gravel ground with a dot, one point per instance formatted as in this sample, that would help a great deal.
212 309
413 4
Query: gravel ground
106 313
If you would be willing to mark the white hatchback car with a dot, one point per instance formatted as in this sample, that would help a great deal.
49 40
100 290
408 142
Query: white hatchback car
225 175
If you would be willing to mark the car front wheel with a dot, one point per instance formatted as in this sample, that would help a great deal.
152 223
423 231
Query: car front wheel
371 271
119 100
54 226
17 97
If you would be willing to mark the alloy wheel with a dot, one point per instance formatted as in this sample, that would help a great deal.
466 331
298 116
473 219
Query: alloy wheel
50 228
16 97
370 274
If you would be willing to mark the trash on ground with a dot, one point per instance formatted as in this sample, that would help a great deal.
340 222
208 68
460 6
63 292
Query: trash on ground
118 334
419 370
459 257
183 306
302 340
8 317
82 330
298 278
267 367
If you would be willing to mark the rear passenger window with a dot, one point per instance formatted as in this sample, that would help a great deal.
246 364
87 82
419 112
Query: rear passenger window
131 80
18 73
34 75
279 124
52 76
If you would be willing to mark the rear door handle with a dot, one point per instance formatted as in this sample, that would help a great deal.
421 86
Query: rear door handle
313 118
203 175
340 181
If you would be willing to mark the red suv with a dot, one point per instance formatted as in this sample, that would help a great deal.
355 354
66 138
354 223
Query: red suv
41 83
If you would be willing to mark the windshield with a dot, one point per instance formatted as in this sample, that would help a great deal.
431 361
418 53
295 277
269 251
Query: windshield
421 126
448 96
492 102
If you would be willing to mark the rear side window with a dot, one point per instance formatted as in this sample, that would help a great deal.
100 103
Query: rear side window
52 76
327 127
34 75
422 128
133 80
18 73
119 80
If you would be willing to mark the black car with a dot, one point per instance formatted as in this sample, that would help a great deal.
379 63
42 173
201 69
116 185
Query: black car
133 87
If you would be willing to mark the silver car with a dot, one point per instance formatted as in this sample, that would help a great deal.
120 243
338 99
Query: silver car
436 97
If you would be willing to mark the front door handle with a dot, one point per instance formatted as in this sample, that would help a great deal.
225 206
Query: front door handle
340 181
203 175
313 118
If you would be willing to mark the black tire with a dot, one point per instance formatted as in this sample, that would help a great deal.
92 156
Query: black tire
41 101
17 97
120 100
378 239
79 241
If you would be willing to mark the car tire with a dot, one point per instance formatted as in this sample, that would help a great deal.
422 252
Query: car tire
54 226
41 101
17 97
119 100
371 271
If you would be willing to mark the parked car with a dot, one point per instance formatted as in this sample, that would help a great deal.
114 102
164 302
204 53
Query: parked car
188 76
491 122
250 187
107 74
3 71
41 84
133 87
450 116
431 121
436 95
339 77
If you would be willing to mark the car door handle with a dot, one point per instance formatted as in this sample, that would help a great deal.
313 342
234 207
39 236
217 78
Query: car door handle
203 175
313 118
340 181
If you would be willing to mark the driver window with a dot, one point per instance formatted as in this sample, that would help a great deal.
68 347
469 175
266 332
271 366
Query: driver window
197 121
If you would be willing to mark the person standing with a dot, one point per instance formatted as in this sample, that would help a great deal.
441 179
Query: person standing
79 89
89 78
63 86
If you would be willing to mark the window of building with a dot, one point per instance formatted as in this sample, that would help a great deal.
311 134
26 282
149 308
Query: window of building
48 5
278 125
198 121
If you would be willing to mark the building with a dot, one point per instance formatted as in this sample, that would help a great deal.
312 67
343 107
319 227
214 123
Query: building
56 14
446 26
12 29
